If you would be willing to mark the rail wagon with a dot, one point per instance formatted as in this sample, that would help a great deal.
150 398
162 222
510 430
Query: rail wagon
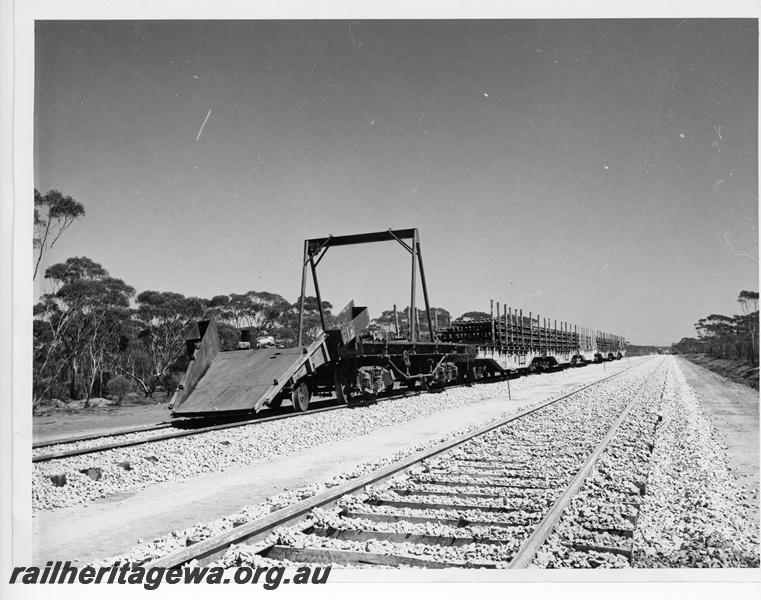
352 362
517 343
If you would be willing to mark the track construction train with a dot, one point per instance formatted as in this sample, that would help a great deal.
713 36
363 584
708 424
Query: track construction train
354 363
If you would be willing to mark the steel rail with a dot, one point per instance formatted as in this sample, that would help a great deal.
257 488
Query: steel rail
167 436
189 432
177 434
166 425
256 531
534 542
95 436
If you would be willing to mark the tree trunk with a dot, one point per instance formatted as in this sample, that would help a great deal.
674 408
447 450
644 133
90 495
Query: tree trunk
93 377
36 399
87 384
73 381
133 377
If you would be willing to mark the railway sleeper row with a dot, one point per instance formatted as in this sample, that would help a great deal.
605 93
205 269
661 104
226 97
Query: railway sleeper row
494 448
364 530
597 529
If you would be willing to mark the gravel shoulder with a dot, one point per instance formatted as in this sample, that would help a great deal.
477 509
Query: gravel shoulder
695 512
733 410
107 526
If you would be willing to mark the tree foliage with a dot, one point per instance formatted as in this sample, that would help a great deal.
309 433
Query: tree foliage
286 332
76 324
720 336
229 337
53 214
90 328
118 388
258 311
159 326
688 346
748 301
387 321
474 315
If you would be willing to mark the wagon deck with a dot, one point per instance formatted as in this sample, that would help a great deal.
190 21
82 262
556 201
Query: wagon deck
241 380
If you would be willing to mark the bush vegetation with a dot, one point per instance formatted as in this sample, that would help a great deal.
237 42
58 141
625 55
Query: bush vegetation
720 336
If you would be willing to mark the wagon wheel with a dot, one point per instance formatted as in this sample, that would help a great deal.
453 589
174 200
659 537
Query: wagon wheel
300 397
276 402
343 395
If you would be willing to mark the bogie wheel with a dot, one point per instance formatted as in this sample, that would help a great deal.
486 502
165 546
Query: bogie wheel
300 397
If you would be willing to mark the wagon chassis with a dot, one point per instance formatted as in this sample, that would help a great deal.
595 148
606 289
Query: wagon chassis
361 368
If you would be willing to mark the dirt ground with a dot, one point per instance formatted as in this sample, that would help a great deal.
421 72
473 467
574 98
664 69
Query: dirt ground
53 424
734 370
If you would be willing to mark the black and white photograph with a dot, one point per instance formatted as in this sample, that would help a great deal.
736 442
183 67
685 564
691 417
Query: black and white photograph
352 294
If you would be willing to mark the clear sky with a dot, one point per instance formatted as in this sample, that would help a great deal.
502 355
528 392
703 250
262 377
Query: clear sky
600 172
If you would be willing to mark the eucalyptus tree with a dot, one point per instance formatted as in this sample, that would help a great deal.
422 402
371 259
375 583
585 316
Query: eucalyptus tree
288 325
474 315
388 321
718 332
53 214
732 337
259 311
748 322
76 323
159 327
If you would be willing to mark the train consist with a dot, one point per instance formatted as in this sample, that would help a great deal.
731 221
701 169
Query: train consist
354 363
517 343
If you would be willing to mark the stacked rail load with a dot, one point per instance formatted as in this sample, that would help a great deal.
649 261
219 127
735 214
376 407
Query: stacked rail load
517 343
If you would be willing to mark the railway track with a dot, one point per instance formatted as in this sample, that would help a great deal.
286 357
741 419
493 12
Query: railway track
196 424
138 436
96 436
184 428
487 499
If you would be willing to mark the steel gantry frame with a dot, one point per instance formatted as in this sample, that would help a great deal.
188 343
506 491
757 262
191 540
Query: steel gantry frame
315 249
